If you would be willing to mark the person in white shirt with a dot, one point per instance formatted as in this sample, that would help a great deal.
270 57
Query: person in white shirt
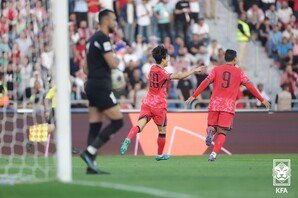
202 28
284 13
144 14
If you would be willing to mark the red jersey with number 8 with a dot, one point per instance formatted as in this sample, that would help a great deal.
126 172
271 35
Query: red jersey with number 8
159 82
226 81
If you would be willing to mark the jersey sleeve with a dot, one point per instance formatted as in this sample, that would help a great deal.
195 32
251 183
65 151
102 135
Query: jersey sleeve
105 44
243 78
211 75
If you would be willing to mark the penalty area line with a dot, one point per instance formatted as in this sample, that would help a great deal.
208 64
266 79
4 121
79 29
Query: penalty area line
137 189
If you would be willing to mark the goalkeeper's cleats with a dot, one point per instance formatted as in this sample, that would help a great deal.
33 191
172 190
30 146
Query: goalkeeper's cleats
124 146
91 171
162 157
210 133
89 161
212 157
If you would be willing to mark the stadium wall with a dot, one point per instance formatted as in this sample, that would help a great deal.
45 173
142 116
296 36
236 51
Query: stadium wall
252 133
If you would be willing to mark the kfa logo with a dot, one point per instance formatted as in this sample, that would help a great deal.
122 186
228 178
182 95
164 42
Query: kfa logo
281 173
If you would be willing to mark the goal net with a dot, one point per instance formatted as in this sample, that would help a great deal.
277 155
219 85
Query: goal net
28 149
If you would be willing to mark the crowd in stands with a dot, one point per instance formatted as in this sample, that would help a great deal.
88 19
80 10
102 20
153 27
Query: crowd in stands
26 58
274 24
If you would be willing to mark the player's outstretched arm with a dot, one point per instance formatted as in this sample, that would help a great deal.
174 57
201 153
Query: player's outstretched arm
198 91
188 73
257 95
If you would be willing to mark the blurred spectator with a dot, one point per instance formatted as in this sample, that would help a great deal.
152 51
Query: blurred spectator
283 99
264 31
213 51
47 57
93 9
83 30
3 25
289 77
194 10
243 37
26 70
81 10
168 45
184 87
202 29
260 87
275 37
108 4
283 48
284 13
140 47
163 14
128 16
271 14
24 42
37 89
144 14
182 19
210 9
255 17
266 4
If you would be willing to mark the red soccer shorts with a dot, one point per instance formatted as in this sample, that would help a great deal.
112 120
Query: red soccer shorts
220 118
159 115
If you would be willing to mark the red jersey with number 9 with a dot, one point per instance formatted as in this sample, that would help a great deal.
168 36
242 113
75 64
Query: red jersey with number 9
226 80
159 80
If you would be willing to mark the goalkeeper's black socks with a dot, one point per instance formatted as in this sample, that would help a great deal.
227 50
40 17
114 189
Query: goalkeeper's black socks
94 129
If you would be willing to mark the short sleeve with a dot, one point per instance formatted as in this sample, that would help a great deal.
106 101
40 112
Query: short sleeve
243 78
105 44
211 75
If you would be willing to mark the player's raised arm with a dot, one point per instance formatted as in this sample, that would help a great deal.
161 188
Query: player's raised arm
187 73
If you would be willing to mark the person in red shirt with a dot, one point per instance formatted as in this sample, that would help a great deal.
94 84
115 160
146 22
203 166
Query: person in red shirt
226 80
154 105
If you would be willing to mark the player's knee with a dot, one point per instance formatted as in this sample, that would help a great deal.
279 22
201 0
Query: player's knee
224 131
212 129
117 124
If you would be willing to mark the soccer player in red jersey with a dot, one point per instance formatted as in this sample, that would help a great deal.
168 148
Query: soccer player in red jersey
154 105
226 80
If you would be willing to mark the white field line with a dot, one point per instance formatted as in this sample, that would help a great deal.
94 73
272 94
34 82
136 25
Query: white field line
137 189
190 133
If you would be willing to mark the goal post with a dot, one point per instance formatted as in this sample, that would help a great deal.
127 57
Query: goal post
61 51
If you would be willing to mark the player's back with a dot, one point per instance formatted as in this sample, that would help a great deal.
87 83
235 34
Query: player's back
227 80
158 84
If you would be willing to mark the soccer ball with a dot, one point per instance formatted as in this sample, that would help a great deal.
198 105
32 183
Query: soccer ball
118 81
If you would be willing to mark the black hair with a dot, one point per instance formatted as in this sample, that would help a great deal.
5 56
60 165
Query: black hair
103 13
159 53
230 55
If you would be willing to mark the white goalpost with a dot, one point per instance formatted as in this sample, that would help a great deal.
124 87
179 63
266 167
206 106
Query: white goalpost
61 51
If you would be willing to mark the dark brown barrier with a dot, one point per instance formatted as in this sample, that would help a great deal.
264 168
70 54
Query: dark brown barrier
253 132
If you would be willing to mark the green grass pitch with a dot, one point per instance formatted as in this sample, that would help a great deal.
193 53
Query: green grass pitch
193 176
